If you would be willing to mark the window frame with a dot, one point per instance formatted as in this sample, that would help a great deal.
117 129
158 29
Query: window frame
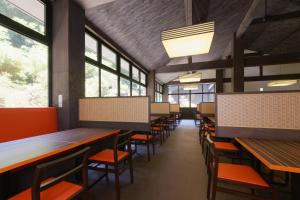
158 91
44 39
190 93
117 72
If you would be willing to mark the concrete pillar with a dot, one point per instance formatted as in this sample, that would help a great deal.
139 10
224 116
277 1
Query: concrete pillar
68 60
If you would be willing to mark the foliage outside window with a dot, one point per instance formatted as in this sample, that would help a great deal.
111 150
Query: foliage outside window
109 84
91 47
158 92
109 58
29 13
91 80
135 74
190 98
124 87
125 67
23 67
135 89
118 75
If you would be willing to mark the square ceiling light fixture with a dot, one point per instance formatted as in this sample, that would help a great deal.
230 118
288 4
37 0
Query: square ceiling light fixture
190 87
282 83
190 77
188 40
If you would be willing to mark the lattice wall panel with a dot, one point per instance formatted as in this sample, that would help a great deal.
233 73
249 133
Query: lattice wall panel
206 108
174 108
160 108
129 109
262 110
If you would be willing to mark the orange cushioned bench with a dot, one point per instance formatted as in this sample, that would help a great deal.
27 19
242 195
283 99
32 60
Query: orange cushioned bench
19 123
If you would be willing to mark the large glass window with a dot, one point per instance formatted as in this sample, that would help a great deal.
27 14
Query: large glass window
184 100
135 89
143 91
173 99
135 74
143 78
158 92
190 98
91 80
30 13
23 70
91 47
124 87
109 58
109 84
125 67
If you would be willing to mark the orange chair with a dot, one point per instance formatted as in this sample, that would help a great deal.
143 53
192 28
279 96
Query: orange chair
57 188
157 130
113 157
234 174
144 139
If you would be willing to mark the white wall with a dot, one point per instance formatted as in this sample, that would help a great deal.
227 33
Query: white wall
254 86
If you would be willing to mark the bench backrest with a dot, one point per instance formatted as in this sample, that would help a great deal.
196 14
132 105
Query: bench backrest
19 123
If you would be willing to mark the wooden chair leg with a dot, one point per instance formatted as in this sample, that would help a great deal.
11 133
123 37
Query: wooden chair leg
106 173
208 186
117 182
130 169
148 149
153 147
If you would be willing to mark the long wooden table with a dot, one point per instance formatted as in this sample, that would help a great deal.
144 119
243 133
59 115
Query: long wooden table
27 152
277 155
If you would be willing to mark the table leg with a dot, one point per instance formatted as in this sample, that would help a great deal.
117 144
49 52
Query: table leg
295 186
2 189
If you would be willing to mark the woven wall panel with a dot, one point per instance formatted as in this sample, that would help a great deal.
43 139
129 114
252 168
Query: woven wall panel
160 108
206 108
262 110
131 109
174 108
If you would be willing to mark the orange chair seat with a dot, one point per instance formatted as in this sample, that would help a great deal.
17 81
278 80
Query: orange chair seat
213 134
212 128
242 174
142 137
156 128
227 146
107 156
61 191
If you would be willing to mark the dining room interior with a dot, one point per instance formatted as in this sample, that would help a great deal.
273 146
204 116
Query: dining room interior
149 99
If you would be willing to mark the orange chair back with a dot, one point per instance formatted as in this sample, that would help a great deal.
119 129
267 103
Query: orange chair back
18 123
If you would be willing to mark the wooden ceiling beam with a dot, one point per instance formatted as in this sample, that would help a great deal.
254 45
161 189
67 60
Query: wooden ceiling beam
250 61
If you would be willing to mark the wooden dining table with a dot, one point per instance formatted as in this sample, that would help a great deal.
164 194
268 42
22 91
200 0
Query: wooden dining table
22 153
277 155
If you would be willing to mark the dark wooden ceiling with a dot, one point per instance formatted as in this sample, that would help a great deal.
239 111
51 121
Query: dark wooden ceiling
136 26
279 32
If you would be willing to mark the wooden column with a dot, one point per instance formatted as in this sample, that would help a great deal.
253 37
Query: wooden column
237 79
219 80
68 60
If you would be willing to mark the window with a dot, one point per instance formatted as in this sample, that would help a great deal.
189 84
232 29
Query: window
29 13
190 98
109 84
91 47
184 100
23 70
125 67
135 74
158 92
124 87
173 99
143 78
91 80
143 91
135 89
109 58
117 76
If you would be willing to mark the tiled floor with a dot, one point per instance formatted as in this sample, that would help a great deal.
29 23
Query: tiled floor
176 172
